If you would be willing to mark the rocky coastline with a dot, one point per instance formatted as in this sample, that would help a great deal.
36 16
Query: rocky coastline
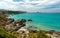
19 25
10 25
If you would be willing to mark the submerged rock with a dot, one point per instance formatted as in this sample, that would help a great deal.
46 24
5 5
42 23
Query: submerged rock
29 20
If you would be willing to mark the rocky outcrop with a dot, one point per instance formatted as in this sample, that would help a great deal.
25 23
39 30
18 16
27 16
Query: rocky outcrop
14 26
9 20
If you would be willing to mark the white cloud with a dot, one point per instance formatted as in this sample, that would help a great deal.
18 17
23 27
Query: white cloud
29 5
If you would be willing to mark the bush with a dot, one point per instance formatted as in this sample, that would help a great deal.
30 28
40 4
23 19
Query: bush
4 34
42 34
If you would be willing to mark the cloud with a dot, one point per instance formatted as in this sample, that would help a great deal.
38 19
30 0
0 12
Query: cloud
31 5
17 0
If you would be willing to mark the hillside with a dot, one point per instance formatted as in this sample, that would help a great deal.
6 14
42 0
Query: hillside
2 11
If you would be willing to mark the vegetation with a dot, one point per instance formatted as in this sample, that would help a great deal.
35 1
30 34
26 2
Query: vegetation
2 21
4 34
38 34
11 12
42 34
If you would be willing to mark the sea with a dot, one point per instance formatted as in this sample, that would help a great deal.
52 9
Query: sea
43 21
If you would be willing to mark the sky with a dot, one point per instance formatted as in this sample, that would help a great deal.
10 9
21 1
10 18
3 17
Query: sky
51 6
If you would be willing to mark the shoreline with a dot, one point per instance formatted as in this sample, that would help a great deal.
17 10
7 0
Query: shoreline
29 20
19 26
35 23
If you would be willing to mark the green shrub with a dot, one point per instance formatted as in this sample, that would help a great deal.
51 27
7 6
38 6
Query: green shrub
4 34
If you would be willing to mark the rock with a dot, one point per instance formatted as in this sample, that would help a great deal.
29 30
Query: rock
20 22
23 30
9 20
14 25
23 21
34 31
51 31
23 25
29 20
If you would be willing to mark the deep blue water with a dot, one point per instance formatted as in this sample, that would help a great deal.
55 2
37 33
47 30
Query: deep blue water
43 21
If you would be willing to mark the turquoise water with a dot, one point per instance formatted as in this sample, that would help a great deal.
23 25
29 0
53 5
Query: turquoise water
43 21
